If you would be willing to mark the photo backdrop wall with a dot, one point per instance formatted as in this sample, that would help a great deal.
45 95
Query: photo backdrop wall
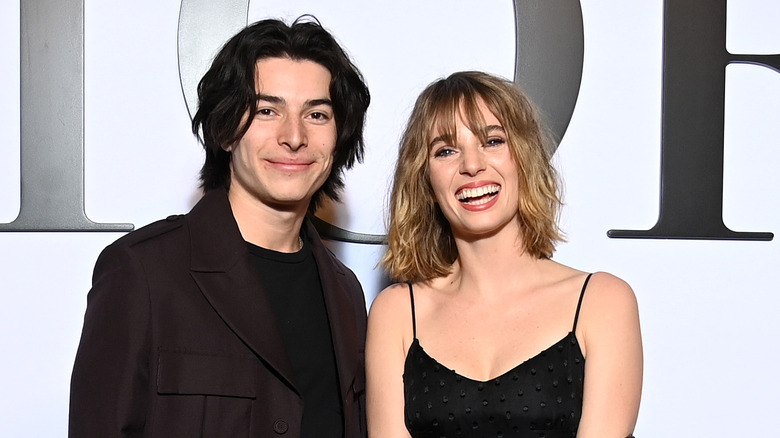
708 307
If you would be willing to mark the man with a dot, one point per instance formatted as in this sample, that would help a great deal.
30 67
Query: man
235 320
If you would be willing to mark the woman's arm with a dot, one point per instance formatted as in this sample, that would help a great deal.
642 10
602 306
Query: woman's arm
612 344
389 335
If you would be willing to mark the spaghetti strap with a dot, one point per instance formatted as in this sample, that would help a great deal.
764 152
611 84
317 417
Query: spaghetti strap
414 320
579 303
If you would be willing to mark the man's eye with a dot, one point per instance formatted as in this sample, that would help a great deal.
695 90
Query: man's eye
265 111
319 116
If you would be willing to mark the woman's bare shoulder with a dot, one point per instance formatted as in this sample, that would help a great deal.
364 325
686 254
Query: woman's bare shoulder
609 309
607 291
391 305
390 321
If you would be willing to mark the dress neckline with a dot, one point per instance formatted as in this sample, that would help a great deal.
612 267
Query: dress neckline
574 341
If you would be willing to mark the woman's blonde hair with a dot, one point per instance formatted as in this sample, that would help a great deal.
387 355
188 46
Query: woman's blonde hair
420 242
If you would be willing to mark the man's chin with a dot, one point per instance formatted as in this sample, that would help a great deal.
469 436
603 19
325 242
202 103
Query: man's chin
290 204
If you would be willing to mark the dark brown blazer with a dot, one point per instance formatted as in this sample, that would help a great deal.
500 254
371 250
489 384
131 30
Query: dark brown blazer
179 339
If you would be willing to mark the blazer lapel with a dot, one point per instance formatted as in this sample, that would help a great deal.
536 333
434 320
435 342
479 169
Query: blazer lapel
341 311
221 267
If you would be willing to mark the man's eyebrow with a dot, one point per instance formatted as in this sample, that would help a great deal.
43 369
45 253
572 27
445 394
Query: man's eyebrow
270 99
280 101
318 102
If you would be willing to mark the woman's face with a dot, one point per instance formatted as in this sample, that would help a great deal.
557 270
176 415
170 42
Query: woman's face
474 183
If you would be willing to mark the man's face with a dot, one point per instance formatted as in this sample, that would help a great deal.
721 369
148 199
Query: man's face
287 153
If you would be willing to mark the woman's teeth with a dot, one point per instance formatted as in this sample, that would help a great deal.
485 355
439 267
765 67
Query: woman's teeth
478 195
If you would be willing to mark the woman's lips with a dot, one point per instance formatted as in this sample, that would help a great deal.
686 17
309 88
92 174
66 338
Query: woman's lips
478 197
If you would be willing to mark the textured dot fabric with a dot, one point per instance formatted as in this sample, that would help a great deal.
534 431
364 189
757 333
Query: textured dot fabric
539 398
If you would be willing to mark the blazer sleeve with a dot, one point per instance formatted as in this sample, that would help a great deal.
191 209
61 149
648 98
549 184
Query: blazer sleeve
110 381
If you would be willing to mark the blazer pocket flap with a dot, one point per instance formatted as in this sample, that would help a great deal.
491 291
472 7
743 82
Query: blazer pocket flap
206 373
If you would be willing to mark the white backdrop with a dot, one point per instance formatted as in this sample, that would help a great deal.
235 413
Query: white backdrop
708 307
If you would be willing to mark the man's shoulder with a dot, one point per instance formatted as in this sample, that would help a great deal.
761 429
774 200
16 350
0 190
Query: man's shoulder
159 244
176 226
153 237
160 229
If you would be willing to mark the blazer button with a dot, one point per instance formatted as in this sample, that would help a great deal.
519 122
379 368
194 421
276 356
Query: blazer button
280 427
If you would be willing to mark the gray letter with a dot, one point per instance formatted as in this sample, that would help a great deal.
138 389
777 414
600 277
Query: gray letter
52 120
692 124
548 64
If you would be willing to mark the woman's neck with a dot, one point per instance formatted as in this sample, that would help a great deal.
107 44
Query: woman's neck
492 263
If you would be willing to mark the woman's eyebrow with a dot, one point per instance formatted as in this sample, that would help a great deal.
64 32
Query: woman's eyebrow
443 138
493 128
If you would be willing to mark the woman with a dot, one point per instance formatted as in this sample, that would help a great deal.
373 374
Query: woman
487 336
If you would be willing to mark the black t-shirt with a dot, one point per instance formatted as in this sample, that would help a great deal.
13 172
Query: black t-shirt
293 285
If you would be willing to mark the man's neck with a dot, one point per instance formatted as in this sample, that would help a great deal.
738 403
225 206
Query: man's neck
277 229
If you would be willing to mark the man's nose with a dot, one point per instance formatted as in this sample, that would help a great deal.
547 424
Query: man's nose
292 133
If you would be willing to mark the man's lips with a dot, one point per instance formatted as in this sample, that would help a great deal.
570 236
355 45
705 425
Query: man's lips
289 165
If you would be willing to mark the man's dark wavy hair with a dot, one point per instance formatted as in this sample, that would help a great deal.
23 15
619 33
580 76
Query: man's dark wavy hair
227 92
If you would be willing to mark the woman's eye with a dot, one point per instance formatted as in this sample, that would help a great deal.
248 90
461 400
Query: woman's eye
495 141
443 152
